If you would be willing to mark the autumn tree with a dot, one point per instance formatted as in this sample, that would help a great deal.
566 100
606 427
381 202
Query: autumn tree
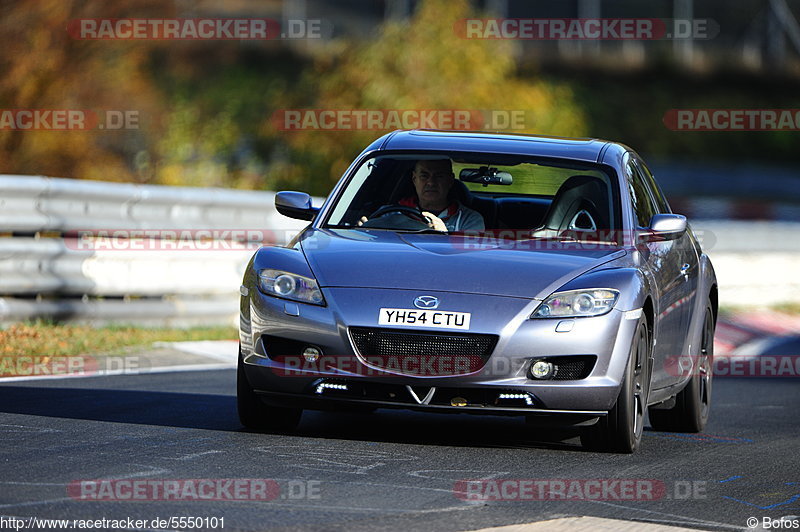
421 63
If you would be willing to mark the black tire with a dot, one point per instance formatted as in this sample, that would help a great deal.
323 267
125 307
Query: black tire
621 430
693 403
256 415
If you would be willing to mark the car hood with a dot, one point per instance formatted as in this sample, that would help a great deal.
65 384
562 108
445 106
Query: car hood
386 259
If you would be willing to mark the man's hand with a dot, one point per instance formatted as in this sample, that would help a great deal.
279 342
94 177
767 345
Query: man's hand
434 222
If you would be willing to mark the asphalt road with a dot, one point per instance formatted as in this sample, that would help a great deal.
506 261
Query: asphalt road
388 470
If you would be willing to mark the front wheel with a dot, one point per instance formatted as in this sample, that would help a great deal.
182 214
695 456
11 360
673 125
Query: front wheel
693 403
621 430
256 415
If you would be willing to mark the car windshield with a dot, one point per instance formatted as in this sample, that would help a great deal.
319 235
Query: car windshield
517 196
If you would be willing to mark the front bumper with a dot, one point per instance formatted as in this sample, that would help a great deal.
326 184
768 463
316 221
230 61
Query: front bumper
382 395
520 341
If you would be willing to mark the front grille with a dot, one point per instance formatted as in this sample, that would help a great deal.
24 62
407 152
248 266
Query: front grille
423 353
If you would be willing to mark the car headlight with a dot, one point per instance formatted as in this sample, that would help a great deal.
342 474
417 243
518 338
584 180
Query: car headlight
577 303
290 286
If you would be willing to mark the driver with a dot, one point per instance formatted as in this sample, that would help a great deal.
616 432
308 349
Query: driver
433 182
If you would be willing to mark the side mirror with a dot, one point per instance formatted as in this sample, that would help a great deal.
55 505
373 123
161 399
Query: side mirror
666 227
295 205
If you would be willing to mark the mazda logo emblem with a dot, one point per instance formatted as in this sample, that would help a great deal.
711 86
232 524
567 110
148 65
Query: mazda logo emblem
426 302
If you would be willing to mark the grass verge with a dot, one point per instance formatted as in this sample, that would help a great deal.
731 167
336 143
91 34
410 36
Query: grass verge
789 308
49 339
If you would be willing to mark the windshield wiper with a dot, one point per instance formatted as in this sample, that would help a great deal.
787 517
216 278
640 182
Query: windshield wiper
428 231
357 227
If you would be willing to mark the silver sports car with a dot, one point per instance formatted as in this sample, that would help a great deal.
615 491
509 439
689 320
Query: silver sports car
485 273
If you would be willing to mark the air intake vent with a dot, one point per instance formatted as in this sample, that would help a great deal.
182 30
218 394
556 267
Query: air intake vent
423 354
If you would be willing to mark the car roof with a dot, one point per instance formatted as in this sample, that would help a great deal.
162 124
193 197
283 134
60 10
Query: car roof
582 149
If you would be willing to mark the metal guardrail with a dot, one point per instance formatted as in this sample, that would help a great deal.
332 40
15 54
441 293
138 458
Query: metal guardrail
756 262
36 204
159 312
31 266
748 237
145 254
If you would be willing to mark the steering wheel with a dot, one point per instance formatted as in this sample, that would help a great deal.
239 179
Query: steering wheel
411 212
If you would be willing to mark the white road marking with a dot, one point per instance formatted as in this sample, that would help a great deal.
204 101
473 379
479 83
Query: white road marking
196 455
586 523
223 350
484 475
681 518
13 483
151 471
112 373
322 458
34 503
24 428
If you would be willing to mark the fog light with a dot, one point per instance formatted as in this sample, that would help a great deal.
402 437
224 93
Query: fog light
542 369
311 354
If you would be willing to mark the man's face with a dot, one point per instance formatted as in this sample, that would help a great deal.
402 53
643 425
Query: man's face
432 181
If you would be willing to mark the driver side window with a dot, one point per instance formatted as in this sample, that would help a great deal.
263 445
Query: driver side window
641 199
650 182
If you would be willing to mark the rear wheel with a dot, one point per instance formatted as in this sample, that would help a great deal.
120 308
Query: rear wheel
693 403
621 430
256 415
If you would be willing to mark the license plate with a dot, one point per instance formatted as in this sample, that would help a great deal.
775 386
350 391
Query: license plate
441 319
